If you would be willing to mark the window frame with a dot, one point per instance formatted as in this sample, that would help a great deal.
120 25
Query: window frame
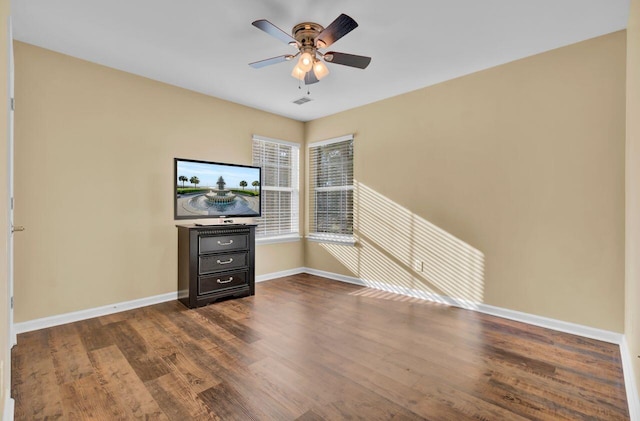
294 209
327 237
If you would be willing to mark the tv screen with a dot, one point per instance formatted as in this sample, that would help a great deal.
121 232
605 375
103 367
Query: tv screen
215 190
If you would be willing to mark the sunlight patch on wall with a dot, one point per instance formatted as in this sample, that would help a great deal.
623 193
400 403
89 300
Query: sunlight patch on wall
401 252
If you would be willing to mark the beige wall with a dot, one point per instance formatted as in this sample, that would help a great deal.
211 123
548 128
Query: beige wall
506 185
632 294
4 322
94 168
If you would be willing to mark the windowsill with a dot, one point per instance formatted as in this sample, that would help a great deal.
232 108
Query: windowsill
345 240
289 238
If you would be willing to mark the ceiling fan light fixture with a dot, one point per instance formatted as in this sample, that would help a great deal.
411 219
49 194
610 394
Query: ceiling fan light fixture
320 69
309 38
298 73
306 62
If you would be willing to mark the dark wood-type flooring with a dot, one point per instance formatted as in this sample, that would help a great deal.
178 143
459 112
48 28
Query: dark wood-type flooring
307 348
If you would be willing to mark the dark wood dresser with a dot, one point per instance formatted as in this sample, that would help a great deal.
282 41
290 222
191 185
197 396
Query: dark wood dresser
215 262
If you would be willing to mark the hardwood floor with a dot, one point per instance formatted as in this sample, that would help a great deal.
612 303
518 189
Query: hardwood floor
307 348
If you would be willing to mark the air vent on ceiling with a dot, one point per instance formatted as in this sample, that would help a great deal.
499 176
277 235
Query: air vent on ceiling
302 100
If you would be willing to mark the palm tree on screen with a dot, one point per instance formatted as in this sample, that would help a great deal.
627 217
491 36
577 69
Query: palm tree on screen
183 179
255 185
243 184
194 180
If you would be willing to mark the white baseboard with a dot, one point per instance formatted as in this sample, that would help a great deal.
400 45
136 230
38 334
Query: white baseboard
281 274
630 381
391 288
532 319
75 316
572 328
567 327
9 406
553 324
335 276
92 312
558 325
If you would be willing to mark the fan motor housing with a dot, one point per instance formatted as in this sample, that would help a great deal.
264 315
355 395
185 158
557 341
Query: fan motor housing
306 32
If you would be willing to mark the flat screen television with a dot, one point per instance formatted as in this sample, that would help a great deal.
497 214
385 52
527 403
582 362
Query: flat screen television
215 190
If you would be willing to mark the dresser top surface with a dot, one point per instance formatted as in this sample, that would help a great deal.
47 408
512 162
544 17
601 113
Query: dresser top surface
214 226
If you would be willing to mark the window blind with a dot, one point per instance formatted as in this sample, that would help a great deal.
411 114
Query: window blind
331 188
280 190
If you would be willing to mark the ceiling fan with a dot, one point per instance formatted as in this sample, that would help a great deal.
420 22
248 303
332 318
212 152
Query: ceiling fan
309 38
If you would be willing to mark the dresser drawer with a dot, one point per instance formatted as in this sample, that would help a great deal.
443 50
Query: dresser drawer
220 243
208 284
219 262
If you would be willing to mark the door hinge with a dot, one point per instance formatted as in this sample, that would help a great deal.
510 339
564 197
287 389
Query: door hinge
11 303
12 203
13 104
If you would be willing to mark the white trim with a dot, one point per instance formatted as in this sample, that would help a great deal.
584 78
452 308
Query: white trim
260 158
335 276
335 188
345 240
75 316
275 188
281 274
630 381
269 139
9 406
553 324
532 319
330 141
275 239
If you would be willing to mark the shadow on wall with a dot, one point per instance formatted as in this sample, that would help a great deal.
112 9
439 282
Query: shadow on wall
398 251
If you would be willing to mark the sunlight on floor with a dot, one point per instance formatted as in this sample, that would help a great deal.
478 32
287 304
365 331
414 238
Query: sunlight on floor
384 295
399 252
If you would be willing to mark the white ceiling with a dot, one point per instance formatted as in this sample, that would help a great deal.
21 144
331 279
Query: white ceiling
206 45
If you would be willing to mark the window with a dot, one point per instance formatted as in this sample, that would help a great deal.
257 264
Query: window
331 190
279 162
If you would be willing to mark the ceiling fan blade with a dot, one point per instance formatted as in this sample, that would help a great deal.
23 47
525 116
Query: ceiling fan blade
273 30
270 61
336 30
352 60
310 78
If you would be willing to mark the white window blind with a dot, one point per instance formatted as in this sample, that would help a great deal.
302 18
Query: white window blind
280 175
331 189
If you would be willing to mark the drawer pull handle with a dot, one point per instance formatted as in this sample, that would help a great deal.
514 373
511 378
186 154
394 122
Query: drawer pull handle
226 262
220 243
225 282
